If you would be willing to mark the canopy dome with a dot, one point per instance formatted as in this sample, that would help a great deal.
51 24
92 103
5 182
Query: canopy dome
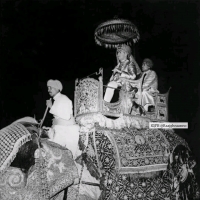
116 32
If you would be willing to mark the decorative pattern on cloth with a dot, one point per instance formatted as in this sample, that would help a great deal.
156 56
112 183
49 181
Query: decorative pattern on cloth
145 186
12 138
154 188
86 96
173 139
61 169
107 163
12 179
138 151
112 107
88 122
41 166
12 186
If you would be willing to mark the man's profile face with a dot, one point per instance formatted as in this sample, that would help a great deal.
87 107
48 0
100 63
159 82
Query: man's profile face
145 67
52 91
122 55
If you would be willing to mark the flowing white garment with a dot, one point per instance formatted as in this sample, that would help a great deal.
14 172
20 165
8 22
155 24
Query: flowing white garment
110 90
67 136
64 130
149 86
62 107
147 99
127 69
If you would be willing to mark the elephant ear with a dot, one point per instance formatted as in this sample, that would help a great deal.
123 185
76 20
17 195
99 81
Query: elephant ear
80 158
81 144
86 158
91 167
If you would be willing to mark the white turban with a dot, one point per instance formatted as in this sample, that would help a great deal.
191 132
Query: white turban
55 84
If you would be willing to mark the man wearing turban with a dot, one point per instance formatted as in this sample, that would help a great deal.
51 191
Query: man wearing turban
127 68
65 130
149 84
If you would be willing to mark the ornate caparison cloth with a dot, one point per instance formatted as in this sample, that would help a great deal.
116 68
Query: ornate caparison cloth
60 169
134 164
54 170
88 121
12 138
136 151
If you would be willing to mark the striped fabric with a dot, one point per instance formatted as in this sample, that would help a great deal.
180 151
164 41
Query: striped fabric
12 138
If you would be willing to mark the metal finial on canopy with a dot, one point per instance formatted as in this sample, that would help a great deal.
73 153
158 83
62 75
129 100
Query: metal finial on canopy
116 32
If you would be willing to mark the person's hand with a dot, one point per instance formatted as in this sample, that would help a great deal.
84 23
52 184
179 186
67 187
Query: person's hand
49 103
116 70
49 132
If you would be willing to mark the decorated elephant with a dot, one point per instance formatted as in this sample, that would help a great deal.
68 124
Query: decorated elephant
137 163
114 161
130 160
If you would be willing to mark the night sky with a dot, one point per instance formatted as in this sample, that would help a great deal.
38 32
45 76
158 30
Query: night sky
42 40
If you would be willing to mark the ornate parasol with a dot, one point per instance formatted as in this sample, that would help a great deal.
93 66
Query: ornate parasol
116 32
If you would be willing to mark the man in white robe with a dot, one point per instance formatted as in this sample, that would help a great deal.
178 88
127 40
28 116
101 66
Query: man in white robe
149 84
127 67
64 129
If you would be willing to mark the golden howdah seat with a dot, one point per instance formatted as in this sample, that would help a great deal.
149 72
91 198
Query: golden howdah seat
89 100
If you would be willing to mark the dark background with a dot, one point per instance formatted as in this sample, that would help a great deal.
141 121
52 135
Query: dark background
49 39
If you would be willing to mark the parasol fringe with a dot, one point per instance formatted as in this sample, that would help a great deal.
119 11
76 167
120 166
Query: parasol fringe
119 28
106 28
113 28
110 27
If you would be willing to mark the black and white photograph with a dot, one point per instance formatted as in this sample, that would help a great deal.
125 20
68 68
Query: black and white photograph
100 100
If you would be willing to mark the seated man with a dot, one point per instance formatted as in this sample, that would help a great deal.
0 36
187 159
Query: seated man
149 84
127 68
64 130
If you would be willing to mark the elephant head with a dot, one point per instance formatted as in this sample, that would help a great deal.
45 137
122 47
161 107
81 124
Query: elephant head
39 169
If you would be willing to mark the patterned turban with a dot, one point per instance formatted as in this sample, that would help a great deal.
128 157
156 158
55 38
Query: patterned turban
55 84
149 62
125 48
